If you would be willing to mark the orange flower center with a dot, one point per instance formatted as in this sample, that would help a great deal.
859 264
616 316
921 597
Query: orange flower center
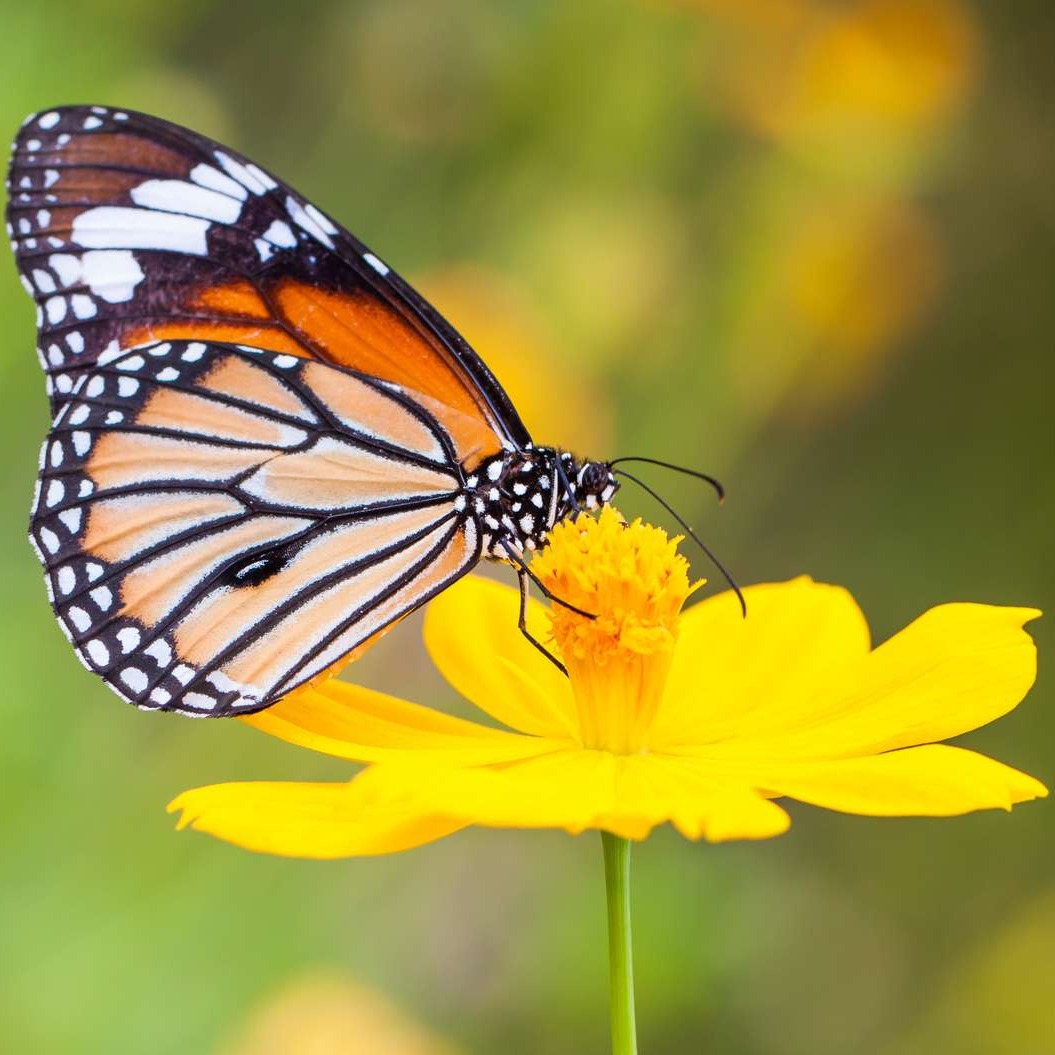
631 577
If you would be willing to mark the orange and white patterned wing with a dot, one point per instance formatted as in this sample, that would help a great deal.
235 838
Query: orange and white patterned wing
220 524
128 229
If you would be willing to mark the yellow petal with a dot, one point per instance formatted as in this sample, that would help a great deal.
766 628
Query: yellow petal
932 781
349 721
307 820
729 672
472 636
957 667
580 789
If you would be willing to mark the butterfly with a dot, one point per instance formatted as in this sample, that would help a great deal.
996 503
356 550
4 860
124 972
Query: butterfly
266 448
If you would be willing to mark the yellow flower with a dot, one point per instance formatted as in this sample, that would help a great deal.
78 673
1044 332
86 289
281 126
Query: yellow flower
852 277
326 1013
844 83
701 719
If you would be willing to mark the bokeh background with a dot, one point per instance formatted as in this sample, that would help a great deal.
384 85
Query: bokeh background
805 245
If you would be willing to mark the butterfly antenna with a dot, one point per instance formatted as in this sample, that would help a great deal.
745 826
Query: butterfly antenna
716 484
692 534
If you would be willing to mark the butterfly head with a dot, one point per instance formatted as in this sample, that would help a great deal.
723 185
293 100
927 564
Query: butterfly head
595 484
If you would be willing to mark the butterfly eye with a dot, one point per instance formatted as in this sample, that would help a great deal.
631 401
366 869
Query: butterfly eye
593 478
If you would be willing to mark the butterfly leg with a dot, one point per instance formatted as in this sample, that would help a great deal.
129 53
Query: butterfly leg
524 578
523 570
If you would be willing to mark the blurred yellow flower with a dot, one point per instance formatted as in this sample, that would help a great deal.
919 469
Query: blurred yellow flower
701 719
853 82
502 323
328 1014
849 282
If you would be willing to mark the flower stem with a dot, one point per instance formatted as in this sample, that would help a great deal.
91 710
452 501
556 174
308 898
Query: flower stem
620 955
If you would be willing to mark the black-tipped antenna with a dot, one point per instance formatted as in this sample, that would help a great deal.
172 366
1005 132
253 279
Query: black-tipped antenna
716 484
692 534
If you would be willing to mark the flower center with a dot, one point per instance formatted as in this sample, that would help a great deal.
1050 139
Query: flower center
631 577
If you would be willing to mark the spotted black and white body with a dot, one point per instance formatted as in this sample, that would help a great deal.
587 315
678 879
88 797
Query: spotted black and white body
517 498
266 448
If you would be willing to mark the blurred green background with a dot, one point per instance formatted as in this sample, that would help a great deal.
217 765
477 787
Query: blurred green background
805 245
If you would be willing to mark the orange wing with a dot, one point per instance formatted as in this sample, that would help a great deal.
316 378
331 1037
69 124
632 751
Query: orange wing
129 230
219 525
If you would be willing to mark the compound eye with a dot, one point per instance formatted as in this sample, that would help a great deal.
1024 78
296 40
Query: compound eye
594 477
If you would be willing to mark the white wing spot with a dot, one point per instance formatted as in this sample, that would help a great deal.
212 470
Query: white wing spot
98 653
103 596
281 234
72 517
44 282
135 679
187 199
182 673
83 306
199 701
117 227
378 265
49 540
160 650
49 120
214 179
306 222
129 637
127 386
66 579
79 617
249 176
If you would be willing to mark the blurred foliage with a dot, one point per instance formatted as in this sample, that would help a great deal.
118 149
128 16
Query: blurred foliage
804 244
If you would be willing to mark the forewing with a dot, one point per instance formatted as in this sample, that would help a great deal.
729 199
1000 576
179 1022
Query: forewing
128 229
219 525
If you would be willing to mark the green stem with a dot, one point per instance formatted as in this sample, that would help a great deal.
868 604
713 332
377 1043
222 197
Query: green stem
620 955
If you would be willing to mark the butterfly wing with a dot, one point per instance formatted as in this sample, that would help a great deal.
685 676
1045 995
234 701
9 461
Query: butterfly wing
218 525
128 229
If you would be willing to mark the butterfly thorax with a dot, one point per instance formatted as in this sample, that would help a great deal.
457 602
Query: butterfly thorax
516 497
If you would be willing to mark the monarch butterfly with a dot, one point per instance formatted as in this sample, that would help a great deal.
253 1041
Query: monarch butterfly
266 447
